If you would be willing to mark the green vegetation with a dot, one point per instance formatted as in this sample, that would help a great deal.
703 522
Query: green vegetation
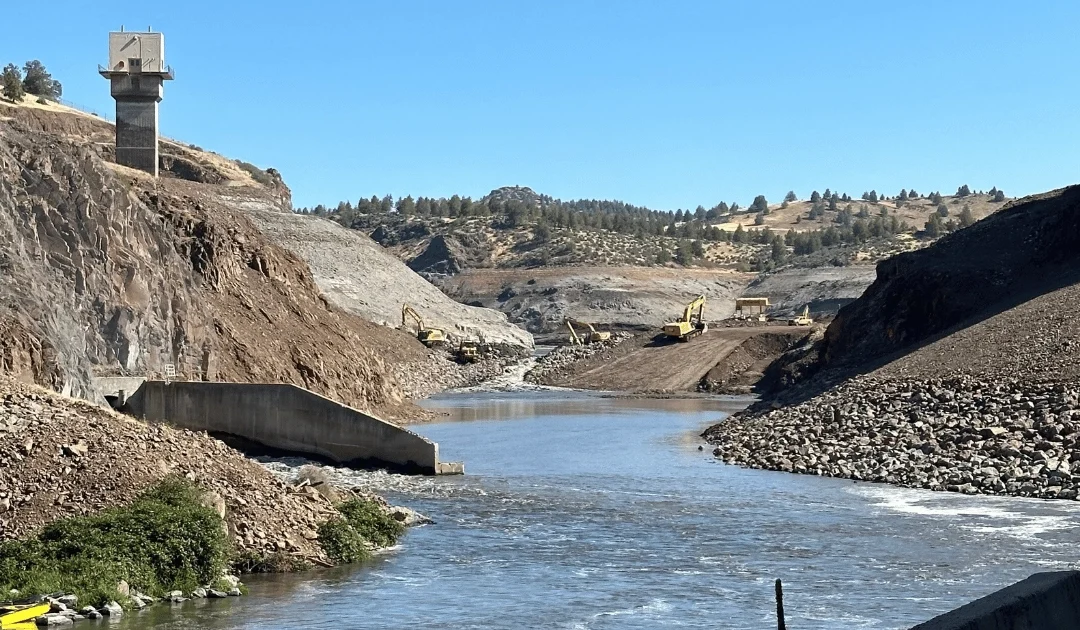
165 540
256 173
363 522
11 83
497 227
38 81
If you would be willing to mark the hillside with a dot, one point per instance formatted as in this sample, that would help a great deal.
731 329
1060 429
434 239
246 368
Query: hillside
553 254
515 227
968 352
107 271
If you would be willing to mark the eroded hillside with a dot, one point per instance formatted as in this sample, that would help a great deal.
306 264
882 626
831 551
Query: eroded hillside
107 271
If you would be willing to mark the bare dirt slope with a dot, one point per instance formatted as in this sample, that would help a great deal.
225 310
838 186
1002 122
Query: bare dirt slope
660 365
630 297
108 271
358 275
824 289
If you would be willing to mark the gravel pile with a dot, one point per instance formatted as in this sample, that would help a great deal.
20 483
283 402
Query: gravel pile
966 434
439 372
560 361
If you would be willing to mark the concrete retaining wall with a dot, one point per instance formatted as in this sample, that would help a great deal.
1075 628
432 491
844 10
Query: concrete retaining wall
287 418
1044 601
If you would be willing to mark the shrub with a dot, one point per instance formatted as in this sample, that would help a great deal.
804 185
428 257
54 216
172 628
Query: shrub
363 522
341 542
165 540
372 522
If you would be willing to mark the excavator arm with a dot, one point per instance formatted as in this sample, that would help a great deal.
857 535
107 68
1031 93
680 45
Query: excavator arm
692 322
407 311
592 336
428 336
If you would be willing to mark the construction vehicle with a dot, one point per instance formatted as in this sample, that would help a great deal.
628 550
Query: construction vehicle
802 320
430 337
692 322
467 352
593 336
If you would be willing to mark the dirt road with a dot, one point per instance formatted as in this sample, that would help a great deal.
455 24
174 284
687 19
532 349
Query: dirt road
660 365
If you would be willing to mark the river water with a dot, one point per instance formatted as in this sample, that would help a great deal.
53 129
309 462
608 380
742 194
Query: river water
586 512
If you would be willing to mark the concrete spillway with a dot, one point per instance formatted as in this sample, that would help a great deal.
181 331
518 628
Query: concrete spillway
288 418
1044 601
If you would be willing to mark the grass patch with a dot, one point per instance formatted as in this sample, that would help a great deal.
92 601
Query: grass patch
165 540
363 523
256 173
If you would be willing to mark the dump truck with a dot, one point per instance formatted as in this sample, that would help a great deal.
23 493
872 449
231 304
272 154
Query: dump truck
430 337
593 336
691 324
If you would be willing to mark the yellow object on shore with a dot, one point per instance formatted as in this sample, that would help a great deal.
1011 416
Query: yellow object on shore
13 617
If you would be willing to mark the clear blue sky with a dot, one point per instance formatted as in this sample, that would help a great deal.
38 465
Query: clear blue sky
665 104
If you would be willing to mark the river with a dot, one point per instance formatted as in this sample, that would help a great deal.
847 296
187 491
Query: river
580 511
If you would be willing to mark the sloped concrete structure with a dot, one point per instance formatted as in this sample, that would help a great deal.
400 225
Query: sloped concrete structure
288 418
1044 601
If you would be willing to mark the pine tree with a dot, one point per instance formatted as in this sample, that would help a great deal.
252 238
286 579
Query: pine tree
963 191
38 81
760 205
815 197
11 83
790 196
779 250
966 218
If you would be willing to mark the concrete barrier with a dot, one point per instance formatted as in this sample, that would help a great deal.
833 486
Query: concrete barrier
291 419
1044 601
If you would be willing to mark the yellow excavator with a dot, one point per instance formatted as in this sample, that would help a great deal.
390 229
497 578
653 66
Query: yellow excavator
427 336
802 320
692 322
593 336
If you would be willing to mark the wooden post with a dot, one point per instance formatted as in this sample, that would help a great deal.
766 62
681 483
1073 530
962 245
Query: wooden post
780 625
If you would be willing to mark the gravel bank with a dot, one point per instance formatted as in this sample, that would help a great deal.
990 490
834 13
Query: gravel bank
62 457
965 434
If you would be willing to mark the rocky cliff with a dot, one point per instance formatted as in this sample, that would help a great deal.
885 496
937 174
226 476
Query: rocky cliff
1029 248
104 270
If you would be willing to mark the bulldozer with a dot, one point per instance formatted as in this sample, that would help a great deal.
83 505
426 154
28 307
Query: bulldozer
593 336
802 320
467 352
691 324
430 337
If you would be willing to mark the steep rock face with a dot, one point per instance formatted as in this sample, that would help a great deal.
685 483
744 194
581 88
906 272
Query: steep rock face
443 255
1030 247
105 270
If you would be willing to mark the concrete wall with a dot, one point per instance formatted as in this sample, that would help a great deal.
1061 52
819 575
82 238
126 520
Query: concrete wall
1044 601
287 418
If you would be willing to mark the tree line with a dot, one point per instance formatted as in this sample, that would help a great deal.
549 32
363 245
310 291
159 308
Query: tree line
32 78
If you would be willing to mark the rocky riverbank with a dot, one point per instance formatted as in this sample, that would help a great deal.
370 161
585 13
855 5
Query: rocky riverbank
61 457
560 361
439 371
964 434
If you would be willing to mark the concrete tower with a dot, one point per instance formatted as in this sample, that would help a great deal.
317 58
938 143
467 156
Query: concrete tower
137 70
